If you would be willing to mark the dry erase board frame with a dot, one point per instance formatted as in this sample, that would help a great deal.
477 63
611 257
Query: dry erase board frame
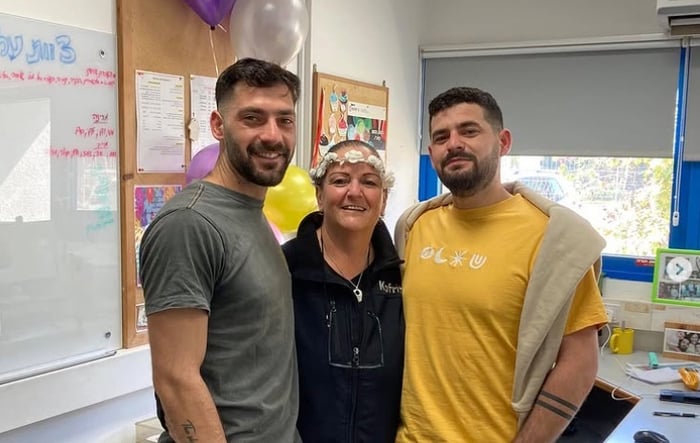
59 233
158 36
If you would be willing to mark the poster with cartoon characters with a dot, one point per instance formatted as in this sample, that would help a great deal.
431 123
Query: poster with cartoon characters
147 202
348 110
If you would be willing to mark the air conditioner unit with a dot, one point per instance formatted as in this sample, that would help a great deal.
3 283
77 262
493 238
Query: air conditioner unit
679 17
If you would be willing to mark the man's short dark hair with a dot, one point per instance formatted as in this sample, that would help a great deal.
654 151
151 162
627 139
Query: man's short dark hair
257 74
456 96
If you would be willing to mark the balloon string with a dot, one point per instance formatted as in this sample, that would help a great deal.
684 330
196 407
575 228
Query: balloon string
213 52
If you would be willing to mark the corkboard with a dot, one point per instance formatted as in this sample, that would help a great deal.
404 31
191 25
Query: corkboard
160 36
331 113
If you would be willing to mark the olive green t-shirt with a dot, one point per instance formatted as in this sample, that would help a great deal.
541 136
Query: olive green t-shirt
211 248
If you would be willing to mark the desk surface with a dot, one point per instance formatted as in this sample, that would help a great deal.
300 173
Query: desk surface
611 372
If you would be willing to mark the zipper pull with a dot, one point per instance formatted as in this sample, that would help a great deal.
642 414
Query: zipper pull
332 312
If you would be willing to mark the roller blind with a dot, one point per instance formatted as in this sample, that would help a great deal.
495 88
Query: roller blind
691 150
596 103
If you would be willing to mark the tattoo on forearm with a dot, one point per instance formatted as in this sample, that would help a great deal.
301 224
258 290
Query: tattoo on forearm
554 409
559 400
190 431
556 405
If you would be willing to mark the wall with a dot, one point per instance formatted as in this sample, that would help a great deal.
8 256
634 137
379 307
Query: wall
372 41
458 22
98 401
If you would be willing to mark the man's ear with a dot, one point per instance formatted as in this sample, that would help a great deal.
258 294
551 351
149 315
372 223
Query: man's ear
216 123
505 138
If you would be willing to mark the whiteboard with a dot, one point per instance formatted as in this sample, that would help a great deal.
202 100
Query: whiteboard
60 296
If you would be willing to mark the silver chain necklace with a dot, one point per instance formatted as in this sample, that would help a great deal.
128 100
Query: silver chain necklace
356 287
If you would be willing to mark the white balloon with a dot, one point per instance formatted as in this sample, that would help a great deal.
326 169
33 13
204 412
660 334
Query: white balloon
270 30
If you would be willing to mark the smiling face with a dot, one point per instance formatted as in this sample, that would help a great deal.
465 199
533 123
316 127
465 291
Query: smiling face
465 149
258 130
352 195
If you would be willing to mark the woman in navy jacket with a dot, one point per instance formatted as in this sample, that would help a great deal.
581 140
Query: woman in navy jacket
347 302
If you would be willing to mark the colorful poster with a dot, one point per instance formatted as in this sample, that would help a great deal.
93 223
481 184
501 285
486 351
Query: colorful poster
148 200
367 123
348 110
349 120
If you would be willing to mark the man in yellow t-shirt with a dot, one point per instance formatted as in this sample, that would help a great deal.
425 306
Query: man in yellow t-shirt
469 264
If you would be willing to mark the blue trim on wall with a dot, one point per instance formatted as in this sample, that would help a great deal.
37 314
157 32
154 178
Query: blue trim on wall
628 268
679 197
687 234
427 179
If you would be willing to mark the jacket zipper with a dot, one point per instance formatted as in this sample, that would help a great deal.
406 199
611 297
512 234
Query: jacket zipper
356 314
356 341
353 412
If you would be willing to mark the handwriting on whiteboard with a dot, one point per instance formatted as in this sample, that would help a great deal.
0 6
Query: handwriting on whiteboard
94 131
37 50
92 77
100 118
105 216
63 152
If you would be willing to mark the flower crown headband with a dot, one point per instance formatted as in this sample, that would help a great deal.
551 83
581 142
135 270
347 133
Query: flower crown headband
351 156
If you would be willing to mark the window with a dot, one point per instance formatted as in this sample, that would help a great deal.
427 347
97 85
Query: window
598 128
627 200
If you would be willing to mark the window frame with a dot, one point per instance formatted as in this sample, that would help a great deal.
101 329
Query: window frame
685 206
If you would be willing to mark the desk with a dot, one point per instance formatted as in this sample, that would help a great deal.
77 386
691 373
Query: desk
645 397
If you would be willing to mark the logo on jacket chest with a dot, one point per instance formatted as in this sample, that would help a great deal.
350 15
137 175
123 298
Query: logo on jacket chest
389 288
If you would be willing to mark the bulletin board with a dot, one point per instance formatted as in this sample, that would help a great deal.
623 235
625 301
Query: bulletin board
162 36
348 109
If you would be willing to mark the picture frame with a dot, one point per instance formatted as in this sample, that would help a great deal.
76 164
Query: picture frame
681 340
677 277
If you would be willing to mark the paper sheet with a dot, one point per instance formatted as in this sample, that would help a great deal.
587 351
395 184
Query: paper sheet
160 121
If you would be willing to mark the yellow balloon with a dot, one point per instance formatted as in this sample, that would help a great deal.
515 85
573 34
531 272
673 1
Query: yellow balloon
289 202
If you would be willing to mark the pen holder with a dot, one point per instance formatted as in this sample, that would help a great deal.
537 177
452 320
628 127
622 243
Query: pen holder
622 341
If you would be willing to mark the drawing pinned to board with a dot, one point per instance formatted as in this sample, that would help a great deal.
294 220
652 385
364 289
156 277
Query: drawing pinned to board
348 110
148 200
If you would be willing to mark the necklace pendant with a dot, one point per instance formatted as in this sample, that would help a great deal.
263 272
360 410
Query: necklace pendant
358 294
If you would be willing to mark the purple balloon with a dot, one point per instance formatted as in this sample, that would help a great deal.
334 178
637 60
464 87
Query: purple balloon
211 11
202 163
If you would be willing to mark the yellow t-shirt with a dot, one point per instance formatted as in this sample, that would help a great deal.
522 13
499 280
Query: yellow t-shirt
464 285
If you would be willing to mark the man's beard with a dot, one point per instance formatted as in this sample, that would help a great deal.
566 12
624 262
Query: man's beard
242 162
466 183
